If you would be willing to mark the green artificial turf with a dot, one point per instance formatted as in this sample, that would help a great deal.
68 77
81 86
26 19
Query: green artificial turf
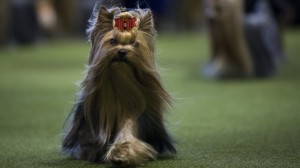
232 123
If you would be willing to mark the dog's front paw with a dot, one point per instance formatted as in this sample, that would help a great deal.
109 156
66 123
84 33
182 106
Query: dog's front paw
130 153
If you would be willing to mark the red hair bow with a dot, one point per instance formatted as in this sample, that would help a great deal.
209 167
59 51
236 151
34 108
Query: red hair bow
125 24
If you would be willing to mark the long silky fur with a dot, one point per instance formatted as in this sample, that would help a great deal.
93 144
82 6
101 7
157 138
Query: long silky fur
228 44
112 92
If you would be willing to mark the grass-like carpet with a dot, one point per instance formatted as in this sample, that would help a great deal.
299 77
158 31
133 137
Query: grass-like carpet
233 123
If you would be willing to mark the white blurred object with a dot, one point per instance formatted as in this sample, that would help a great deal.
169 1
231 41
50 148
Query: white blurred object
47 17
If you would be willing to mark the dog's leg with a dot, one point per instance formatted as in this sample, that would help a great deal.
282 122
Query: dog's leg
127 149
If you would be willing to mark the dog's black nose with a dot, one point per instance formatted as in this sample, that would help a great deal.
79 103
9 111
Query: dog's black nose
122 53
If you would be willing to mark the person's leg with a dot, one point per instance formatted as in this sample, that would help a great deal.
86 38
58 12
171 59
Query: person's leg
4 21
263 40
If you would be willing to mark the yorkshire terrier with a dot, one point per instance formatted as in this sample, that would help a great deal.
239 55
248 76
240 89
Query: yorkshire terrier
118 116
230 54
243 43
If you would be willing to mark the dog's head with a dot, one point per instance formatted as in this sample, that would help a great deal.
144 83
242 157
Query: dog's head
116 45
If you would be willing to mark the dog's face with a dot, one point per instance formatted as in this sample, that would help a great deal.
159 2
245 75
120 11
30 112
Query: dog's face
115 52
114 49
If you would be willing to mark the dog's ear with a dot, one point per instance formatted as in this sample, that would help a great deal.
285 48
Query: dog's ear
147 22
101 23
104 21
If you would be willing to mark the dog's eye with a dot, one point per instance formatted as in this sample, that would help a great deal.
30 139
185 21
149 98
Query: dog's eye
113 41
135 44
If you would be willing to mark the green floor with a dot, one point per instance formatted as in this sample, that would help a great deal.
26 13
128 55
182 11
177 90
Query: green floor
251 123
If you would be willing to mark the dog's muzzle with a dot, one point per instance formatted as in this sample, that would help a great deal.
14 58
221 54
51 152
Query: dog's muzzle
121 55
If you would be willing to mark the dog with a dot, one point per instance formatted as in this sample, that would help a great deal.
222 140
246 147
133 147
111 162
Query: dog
118 116
244 42
229 50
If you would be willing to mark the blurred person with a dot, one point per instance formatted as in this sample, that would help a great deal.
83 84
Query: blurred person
67 15
85 8
243 44
263 35
24 24
188 14
68 18
295 5
4 21
285 11
47 17
282 10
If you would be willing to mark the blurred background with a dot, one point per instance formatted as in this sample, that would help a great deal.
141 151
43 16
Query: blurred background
231 65
245 37
29 21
